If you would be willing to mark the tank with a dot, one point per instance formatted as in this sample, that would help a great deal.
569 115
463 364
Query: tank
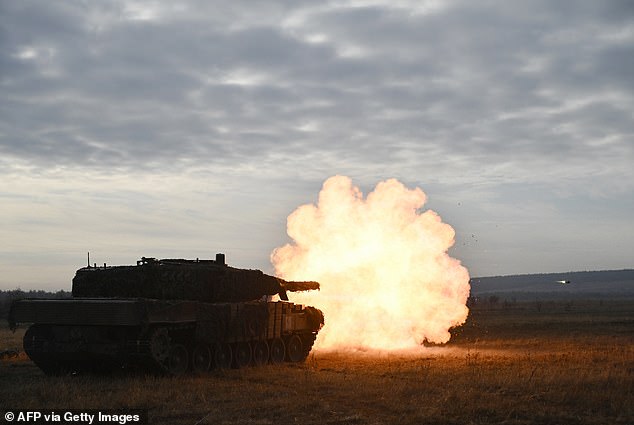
171 316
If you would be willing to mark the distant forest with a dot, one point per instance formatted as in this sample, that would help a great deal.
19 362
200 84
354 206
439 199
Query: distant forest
570 285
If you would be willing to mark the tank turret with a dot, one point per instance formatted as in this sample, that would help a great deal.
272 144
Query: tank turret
178 279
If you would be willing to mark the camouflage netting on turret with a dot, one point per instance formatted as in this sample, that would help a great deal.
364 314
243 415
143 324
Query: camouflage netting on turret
175 281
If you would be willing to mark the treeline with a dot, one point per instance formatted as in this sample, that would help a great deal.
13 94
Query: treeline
608 282
580 277
7 297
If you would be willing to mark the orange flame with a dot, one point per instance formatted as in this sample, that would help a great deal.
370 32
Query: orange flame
387 281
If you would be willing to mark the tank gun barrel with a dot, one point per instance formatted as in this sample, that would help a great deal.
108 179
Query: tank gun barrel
298 286
293 286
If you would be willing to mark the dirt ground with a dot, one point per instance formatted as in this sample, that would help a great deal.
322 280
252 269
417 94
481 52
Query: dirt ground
511 363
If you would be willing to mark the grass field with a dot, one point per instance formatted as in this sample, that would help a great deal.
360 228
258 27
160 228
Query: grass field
519 363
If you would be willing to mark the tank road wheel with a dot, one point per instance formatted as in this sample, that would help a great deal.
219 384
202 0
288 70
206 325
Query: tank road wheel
277 351
201 358
160 346
242 354
223 355
178 360
295 349
260 353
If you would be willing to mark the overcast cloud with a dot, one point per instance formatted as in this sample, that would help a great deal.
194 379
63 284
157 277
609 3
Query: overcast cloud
132 128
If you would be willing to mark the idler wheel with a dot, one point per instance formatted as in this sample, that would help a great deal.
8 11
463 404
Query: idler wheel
295 349
277 351
260 353
178 360
223 355
201 358
242 355
39 345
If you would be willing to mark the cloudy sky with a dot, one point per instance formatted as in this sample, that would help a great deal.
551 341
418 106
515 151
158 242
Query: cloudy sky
141 128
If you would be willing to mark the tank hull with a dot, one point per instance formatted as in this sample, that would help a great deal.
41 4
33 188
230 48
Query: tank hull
95 335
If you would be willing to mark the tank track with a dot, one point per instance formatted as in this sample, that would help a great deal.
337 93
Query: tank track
308 341
54 357
162 349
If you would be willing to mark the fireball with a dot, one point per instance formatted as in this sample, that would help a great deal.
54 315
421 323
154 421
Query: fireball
387 281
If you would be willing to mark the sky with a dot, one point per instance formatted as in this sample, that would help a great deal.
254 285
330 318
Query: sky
146 128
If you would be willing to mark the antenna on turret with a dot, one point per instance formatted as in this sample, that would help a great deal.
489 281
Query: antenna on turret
88 258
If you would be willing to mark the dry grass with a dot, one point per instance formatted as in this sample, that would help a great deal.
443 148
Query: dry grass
519 364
